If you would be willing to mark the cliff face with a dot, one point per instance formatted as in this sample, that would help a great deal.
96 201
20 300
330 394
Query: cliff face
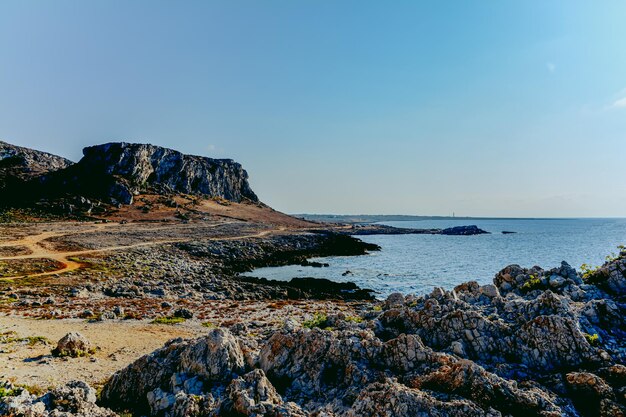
21 164
115 173
139 166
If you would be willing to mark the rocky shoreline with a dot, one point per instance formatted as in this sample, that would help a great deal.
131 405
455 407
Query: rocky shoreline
534 343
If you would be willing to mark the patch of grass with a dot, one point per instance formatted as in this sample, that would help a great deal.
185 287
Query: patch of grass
78 354
532 284
208 325
593 339
588 271
168 320
377 308
318 320
6 392
34 389
11 337
354 319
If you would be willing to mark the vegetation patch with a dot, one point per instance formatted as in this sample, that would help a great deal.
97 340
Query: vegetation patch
12 337
593 339
354 319
168 320
319 320
533 283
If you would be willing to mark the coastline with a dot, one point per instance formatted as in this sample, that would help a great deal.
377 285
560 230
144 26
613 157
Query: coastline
529 340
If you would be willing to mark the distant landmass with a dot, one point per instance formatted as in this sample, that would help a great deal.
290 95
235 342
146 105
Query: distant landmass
375 218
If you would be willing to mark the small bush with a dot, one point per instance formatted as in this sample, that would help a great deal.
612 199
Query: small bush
208 325
8 392
168 320
354 319
532 284
593 339
318 320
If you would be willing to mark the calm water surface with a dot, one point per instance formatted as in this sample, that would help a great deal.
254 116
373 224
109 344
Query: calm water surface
417 263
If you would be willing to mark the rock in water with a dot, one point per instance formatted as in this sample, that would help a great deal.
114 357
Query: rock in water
464 231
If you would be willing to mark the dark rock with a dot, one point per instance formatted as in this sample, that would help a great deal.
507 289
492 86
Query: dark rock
463 231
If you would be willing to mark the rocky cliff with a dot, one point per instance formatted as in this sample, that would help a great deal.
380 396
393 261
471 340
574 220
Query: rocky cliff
115 173
18 164
137 167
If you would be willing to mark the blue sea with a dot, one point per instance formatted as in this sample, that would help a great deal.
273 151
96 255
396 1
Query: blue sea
417 263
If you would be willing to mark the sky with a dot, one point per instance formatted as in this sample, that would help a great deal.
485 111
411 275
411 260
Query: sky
481 108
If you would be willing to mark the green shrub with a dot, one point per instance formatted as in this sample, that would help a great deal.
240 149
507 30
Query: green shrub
168 320
6 392
208 325
318 320
532 284
354 319
593 339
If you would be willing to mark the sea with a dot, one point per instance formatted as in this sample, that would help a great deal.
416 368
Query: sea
418 263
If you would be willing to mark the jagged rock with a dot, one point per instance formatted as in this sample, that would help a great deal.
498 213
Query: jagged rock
314 363
536 343
18 164
471 381
137 166
593 395
152 381
74 399
393 399
253 395
74 345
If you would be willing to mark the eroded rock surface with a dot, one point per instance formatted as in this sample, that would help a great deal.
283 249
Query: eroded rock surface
535 343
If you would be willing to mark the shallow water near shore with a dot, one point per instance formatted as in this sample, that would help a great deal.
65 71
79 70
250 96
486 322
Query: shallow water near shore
417 263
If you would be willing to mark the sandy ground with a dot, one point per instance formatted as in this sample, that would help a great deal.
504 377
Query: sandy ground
120 343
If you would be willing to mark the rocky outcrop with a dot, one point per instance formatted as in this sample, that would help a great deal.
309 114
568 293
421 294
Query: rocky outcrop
128 169
75 399
554 347
463 231
24 163
20 165
381 229
114 173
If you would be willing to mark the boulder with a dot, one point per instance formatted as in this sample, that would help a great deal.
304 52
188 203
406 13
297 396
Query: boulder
73 345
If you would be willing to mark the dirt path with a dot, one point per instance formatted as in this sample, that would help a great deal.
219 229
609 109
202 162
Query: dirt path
37 251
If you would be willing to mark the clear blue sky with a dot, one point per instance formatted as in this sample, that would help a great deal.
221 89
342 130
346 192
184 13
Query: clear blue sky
494 108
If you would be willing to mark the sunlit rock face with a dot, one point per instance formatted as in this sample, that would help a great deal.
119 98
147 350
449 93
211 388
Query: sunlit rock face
140 166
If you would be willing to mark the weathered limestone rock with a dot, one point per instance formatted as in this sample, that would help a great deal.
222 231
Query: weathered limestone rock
75 399
152 381
74 345
136 166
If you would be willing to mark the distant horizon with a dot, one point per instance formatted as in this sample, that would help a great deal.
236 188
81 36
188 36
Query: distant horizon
435 216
